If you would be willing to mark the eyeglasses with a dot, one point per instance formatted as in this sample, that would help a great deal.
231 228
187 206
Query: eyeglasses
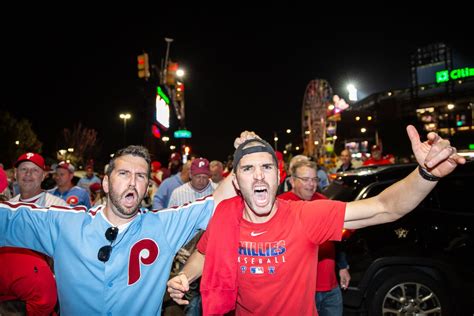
307 179
104 252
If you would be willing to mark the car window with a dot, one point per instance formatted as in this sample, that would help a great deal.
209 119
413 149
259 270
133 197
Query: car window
455 194
373 189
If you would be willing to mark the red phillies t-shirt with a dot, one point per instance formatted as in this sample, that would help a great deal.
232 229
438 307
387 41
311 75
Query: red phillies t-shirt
326 277
276 259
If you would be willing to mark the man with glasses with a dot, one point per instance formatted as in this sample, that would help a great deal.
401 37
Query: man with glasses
328 293
114 259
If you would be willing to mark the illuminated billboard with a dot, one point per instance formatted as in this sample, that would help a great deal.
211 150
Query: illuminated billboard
162 106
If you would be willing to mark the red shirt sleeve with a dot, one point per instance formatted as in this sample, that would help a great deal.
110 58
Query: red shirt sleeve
323 220
202 244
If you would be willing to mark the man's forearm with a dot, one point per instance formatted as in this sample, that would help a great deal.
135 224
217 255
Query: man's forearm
225 190
394 202
194 266
403 196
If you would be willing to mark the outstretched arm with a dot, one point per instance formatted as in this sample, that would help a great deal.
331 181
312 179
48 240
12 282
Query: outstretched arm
435 155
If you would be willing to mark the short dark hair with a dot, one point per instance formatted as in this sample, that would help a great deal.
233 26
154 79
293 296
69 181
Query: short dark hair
134 150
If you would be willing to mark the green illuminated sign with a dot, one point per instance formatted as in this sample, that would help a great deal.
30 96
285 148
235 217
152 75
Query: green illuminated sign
182 133
471 146
455 74
162 95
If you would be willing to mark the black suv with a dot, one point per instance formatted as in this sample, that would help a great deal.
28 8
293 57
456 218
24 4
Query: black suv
421 264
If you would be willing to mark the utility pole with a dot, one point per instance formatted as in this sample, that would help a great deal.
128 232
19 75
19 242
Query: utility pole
165 66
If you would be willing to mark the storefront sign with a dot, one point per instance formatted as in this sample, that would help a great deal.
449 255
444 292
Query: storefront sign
455 74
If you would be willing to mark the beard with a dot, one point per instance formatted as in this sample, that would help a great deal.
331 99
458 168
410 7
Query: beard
266 196
122 211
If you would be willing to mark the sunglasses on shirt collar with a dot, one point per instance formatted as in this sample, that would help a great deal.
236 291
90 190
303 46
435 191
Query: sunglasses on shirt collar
104 252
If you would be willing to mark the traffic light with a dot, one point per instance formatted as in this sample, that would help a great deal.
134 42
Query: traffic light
143 66
171 73
179 91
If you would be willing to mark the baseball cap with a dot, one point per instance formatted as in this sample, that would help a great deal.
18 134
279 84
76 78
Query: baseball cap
175 156
67 166
260 146
155 166
95 187
200 166
35 158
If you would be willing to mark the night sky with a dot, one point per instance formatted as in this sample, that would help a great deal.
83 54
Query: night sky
241 73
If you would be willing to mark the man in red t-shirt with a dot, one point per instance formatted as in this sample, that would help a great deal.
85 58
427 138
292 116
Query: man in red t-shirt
260 250
304 183
377 158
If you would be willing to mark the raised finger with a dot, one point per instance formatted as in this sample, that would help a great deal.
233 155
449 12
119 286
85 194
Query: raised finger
414 136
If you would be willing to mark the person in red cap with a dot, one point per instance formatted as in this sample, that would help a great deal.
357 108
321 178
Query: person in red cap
98 196
199 186
377 159
25 274
30 173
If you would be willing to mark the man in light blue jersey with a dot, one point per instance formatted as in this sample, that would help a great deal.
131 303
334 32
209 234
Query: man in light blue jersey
66 190
114 259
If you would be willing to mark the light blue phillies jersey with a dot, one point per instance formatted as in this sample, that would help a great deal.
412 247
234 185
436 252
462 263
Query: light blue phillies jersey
75 196
133 280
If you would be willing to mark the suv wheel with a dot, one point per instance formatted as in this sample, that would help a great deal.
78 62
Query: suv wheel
409 294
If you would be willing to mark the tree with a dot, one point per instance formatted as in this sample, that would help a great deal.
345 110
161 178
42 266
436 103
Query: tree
17 138
83 140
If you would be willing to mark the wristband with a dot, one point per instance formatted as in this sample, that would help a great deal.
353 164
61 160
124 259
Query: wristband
426 175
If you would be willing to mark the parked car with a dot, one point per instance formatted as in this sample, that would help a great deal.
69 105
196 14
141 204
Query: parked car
420 264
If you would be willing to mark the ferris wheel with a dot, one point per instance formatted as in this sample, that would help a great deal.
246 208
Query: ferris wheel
316 99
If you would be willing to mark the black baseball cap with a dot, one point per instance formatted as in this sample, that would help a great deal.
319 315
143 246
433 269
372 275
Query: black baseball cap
259 146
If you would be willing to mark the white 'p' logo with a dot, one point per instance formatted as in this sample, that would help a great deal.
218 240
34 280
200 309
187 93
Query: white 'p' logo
29 155
201 164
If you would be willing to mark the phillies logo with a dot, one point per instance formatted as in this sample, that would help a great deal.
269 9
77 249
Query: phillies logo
201 164
29 155
72 200
145 252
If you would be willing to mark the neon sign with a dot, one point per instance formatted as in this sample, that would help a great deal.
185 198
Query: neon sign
455 74
162 108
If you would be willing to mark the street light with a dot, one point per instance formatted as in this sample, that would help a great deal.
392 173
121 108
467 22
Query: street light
165 66
352 92
180 73
125 117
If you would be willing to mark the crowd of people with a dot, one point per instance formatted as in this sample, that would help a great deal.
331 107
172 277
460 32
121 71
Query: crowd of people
122 238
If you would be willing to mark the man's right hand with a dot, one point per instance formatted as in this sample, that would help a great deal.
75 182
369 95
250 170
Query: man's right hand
177 286
243 137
